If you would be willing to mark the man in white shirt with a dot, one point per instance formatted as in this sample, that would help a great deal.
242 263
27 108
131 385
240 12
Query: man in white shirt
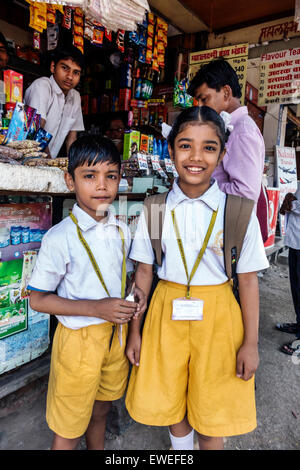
57 101
291 208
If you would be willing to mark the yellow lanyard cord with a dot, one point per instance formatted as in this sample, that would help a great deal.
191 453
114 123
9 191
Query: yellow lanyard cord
94 262
201 252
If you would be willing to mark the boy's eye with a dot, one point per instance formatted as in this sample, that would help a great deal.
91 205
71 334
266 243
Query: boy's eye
89 176
113 177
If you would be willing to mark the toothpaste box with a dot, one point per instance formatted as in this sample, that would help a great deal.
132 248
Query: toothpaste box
13 86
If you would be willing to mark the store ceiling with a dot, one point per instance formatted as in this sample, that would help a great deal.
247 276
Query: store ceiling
191 16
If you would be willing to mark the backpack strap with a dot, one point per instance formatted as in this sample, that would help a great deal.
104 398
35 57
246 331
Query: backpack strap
237 214
154 211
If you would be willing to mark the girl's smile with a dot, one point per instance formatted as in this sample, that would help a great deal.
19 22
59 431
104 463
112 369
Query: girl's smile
197 152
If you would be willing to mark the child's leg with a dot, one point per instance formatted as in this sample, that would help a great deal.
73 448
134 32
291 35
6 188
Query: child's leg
210 443
62 443
182 435
95 433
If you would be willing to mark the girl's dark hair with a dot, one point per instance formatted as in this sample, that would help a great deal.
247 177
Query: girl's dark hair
216 74
90 150
199 115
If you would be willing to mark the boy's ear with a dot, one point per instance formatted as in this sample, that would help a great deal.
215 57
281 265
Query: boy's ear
69 181
227 91
52 67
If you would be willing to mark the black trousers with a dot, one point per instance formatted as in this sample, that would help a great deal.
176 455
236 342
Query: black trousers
294 268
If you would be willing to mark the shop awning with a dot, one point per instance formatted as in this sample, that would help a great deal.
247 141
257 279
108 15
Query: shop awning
191 16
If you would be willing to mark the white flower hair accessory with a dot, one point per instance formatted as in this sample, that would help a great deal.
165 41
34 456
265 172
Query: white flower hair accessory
227 119
165 130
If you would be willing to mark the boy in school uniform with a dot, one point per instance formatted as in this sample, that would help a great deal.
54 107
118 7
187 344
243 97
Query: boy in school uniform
80 277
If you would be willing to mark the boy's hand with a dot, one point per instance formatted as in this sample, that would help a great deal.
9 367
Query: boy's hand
116 310
247 361
141 299
133 348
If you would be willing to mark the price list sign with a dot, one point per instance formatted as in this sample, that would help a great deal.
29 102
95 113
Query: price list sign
237 56
280 77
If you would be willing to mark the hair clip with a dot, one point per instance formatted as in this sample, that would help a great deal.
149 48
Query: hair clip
165 130
227 119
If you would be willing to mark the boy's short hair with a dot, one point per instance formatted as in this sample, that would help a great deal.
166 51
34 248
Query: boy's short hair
91 149
216 74
71 53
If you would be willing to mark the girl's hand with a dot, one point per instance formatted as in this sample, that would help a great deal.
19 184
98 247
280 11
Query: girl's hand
141 300
133 348
247 361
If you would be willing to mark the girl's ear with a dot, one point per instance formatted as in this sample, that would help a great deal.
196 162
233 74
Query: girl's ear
69 181
171 153
221 156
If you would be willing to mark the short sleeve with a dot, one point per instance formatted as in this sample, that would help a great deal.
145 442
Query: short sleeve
78 123
39 96
141 249
253 256
51 265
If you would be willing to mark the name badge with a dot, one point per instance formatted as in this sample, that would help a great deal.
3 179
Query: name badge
187 309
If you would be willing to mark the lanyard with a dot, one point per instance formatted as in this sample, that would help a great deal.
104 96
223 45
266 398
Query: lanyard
201 252
94 262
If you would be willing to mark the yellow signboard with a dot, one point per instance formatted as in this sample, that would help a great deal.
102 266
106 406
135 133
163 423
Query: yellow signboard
236 55
280 77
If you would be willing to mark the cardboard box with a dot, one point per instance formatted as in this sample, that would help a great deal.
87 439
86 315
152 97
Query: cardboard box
144 143
131 144
13 85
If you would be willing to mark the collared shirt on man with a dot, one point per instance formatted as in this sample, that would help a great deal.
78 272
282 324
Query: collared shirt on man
61 113
241 169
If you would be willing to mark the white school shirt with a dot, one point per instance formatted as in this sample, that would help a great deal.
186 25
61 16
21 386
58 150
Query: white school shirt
193 218
63 262
61 113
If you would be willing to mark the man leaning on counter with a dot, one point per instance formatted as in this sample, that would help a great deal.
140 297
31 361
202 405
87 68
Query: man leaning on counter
57 101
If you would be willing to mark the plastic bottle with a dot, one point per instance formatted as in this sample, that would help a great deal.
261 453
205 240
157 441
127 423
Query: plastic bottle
159 149
155 149
165 150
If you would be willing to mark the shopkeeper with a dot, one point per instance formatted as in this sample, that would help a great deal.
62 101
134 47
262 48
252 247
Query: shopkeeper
57 101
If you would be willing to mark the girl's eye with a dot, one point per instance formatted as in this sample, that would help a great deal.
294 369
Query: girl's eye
209 148
185 146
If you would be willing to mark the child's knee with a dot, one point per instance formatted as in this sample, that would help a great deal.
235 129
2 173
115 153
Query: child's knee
100 410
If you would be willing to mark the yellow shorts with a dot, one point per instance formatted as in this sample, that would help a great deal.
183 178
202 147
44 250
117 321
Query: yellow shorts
189 367
83 369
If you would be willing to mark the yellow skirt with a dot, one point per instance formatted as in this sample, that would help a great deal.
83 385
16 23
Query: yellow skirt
189 367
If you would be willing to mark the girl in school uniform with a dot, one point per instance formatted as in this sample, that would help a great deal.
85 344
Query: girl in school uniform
193 367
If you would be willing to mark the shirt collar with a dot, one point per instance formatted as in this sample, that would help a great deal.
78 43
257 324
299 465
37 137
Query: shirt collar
211 197
58 90
86 222
238 113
